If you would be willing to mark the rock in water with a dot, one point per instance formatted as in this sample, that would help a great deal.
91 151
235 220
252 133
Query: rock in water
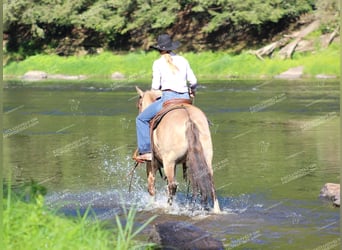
184 236
331 191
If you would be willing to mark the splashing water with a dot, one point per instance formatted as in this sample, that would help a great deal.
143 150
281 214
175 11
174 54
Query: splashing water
107 203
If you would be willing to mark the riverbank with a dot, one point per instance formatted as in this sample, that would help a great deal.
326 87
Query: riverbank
31 226
136 67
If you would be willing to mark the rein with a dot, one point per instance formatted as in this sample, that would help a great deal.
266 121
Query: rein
131 173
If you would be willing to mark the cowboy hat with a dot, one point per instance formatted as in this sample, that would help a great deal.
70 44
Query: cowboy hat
165 43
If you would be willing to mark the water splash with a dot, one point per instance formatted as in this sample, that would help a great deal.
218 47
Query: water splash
108 201
246 211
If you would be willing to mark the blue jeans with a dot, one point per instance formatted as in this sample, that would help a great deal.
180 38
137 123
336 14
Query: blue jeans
143 119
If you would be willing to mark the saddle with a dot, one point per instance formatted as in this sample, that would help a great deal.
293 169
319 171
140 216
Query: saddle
177 103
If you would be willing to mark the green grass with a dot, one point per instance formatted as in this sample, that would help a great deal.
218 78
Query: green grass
247 66
102 65
31 226
206 65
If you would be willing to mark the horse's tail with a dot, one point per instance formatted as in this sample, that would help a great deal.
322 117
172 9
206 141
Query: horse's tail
198 169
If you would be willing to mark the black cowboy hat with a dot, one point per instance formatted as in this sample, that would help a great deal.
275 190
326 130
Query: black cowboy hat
165 43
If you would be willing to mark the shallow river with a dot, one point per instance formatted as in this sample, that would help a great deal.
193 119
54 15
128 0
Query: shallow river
275 145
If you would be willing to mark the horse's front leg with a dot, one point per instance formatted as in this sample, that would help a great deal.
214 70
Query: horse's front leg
151 178
172 188
169 170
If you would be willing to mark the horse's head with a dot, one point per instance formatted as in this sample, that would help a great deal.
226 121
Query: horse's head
146 98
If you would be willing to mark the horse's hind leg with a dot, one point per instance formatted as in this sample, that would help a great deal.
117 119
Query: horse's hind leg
169 170
216 208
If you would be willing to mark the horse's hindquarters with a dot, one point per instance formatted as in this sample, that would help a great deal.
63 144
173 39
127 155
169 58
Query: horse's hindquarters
170 142
183 136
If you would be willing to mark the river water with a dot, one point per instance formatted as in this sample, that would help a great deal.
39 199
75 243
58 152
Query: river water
276 143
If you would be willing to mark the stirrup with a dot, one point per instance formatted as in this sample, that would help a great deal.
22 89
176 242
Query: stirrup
136 157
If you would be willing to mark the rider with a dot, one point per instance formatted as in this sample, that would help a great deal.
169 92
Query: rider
171 73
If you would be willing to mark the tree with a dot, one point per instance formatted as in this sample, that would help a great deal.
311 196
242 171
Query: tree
63 26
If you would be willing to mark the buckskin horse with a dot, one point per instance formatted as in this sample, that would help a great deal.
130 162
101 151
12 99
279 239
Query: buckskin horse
181 135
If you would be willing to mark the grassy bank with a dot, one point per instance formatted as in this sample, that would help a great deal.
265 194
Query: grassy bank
31 226
206 65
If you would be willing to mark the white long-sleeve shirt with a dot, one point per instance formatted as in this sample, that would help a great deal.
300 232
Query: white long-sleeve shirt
163 78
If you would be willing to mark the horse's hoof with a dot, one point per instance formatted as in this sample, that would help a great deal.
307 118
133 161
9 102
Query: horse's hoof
206 209
216 209
169 201
152 198
152 192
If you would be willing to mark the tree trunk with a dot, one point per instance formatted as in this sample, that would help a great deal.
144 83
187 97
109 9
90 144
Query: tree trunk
287 49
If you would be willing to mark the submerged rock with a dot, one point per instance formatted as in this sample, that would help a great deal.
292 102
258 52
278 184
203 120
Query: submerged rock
331 191
183 235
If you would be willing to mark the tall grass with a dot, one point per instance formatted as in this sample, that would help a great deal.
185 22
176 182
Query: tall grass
206 65
126 235
31 226
220 65
102 65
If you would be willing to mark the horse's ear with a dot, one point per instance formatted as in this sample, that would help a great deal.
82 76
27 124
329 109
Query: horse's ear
140 92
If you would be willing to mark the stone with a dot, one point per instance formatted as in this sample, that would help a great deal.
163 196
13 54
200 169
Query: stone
331 191
183 235
35 75
67 77
323 76
118 76
292 73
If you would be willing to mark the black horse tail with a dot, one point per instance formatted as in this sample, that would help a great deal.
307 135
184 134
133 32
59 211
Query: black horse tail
198 171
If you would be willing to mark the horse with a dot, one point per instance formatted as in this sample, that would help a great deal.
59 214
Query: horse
182 136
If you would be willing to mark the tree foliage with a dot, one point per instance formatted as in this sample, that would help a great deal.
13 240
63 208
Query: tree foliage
249 12
56 25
